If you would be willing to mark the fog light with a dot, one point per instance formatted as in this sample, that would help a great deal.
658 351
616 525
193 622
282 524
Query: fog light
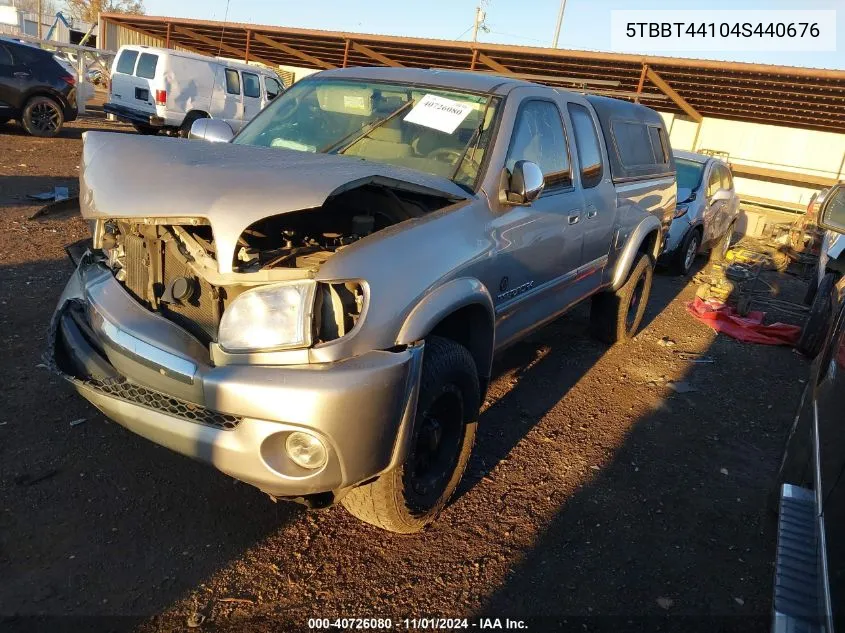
306 450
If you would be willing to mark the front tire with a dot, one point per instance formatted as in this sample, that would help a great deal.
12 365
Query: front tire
42 117
685 257
409 497
720 251
616 316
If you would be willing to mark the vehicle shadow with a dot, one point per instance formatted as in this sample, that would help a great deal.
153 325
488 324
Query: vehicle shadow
94 519
673 531
540 374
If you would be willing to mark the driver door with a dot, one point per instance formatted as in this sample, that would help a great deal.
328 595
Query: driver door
538 245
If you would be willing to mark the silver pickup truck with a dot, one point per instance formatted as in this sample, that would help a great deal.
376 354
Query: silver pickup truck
313 306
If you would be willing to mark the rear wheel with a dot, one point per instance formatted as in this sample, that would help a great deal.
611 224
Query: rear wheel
42 116
720 251
185 128
818 319
409 497
616 316
146 130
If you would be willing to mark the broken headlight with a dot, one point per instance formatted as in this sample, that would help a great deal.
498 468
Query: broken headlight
276 316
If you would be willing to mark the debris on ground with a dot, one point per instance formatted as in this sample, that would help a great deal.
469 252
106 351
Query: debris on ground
56 195
665 603
77 422
748 329
681 387
666 342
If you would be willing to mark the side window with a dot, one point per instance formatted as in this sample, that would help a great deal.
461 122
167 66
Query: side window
233 82
714 183
538 136
633 143
126 62
273 87
147 66
251 86
727 179
5 57
587 145
658 145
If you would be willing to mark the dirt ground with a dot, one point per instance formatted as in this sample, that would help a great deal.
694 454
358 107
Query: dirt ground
599 495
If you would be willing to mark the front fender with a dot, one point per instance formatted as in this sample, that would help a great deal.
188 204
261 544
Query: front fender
440 303
648 225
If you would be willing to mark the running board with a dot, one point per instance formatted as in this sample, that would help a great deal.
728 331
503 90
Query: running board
796 596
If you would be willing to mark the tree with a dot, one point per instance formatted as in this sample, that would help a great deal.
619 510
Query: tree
48 7
89 10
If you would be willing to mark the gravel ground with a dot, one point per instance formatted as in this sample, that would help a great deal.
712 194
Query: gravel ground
599 496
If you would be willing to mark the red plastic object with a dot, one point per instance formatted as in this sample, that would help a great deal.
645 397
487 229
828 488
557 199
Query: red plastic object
748 329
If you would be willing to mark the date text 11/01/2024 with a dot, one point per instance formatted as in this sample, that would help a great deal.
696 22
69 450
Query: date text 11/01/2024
447 624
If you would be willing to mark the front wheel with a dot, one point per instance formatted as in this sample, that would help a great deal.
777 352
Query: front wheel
616 316
720 251
686 254
409 497
42 117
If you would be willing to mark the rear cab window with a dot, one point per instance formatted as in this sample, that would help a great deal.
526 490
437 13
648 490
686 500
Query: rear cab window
147 66
539 137
5 56
587 145
252 87
126 62
233 82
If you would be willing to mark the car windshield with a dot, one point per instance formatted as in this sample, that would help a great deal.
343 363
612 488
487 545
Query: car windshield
689 173
437 131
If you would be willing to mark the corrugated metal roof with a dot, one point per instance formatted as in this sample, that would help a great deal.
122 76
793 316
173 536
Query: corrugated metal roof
777 95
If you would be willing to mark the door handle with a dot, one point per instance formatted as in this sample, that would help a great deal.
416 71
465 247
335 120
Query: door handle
573 219
21 74
592 213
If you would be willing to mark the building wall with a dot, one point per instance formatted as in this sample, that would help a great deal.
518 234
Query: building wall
768 146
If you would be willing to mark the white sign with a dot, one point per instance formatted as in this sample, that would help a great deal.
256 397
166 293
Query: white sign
439 113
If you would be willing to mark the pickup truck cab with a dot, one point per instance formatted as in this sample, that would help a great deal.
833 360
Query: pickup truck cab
158 89
313 306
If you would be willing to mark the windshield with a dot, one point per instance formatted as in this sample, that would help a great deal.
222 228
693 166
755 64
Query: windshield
438 131
689 173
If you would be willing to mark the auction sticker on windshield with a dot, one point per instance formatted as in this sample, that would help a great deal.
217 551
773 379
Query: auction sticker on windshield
439 113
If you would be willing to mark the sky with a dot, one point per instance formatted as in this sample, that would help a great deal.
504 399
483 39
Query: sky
586 23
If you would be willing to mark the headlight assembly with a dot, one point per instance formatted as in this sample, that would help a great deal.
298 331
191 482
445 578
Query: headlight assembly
272 317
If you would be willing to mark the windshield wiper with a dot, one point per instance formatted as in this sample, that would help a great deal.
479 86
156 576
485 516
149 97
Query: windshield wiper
343 144
473 140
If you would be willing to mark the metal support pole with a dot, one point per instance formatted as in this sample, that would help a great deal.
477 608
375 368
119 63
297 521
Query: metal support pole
345 54
559 22
83 77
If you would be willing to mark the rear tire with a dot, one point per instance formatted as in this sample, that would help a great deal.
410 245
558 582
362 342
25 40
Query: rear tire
720 250
146 130
42 117
818 319
185 128
616 316
409 497
685 256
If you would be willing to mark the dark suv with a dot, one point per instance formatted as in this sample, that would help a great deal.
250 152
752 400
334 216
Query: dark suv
35 89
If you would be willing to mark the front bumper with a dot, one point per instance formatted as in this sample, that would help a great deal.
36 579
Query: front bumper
134 116
148 375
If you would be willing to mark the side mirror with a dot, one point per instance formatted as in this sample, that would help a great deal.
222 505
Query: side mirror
832 213
721 194
526 183
211 130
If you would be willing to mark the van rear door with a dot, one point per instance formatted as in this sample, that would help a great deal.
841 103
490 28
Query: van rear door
133 78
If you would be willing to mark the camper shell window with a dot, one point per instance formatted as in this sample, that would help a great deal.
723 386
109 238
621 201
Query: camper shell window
637 143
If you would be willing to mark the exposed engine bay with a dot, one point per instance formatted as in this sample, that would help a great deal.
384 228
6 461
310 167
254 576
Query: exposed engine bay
170 265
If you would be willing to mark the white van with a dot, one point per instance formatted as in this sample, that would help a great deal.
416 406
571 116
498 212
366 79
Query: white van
162 89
